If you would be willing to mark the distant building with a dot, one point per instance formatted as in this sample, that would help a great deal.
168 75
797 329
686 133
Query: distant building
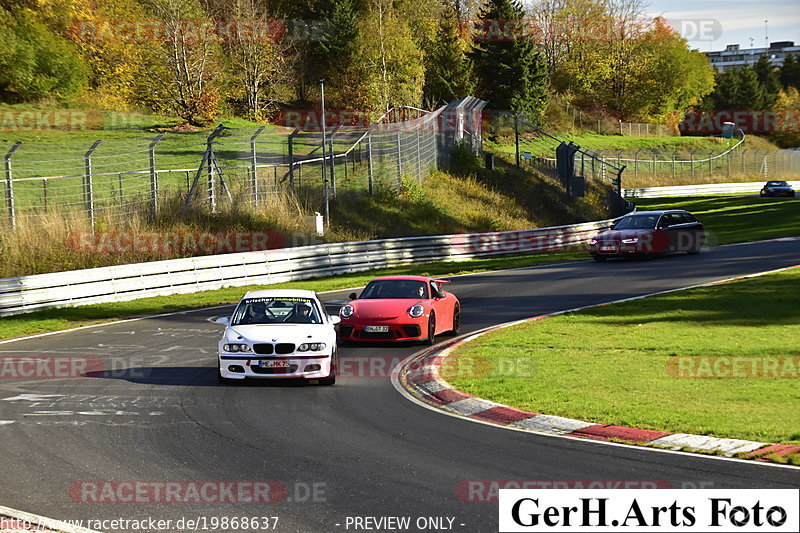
734 57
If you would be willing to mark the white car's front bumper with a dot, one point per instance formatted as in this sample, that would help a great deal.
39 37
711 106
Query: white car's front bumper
302 366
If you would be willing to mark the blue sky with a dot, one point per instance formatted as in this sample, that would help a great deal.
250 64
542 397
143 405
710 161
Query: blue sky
731 21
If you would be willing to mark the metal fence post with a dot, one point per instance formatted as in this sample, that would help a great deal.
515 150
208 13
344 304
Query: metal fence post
419 159
691 157
10 187
729 164
399 162
154 175
710 164
516 136
291 157
673 164
254 163
636 163
212 196
89 188
369 164
333 166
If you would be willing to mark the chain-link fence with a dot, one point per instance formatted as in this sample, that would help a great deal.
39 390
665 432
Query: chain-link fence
694 166
115 178
583 173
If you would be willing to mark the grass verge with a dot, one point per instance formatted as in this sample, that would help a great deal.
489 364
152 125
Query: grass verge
56 319
626 364
730 219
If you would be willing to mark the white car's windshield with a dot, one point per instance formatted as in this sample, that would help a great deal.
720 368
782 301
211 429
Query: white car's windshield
637 222
395 289
279 310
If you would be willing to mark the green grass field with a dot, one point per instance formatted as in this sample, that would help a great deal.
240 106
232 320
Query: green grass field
730 219
615 364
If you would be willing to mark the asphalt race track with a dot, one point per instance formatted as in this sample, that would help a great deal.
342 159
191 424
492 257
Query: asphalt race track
157 414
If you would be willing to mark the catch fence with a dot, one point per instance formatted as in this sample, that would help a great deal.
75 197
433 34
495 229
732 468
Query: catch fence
118 178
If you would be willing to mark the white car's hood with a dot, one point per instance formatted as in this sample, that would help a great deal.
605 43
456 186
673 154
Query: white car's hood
296 333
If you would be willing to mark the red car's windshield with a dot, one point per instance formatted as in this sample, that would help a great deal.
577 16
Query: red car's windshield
637 222
395 289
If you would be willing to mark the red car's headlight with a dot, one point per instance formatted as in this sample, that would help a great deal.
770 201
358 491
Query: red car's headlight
416 311
346 311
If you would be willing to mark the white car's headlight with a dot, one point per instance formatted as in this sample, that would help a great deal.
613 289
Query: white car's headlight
416 311
236 347
346 311
630 240
311 347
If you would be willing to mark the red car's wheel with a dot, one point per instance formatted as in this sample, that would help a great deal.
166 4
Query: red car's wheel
431 340
456 321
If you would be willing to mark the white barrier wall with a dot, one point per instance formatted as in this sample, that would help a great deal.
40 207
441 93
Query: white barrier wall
176 276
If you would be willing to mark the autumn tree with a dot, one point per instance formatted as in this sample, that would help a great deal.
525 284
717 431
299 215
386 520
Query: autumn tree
34 62
261 61
387 66
186 69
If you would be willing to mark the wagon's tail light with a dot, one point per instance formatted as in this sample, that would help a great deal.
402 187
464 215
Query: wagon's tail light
346 311
416 311
236 347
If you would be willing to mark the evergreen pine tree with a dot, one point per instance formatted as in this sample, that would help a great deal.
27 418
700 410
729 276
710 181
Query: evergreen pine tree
790 71
448 68
512 74
770 82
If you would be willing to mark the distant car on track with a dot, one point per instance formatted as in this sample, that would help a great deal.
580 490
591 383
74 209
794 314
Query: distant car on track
777 188
278 334
400 308
645 233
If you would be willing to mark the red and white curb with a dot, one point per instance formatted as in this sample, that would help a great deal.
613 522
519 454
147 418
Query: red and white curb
419 376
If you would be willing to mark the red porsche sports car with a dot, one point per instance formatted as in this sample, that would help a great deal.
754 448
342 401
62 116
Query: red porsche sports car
400 308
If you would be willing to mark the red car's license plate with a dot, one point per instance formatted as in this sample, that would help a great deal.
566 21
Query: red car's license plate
376 329
608 248
274 363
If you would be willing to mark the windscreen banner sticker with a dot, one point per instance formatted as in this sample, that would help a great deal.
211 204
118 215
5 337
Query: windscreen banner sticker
650 511
286 299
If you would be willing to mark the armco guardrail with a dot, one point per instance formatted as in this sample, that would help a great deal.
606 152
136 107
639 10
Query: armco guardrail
177 276
699 190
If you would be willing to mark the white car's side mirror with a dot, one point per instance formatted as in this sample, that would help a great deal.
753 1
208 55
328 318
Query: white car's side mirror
222 320
334 319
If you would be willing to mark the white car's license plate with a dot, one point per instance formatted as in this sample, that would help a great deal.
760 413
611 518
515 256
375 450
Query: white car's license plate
274 363
608 248
376 329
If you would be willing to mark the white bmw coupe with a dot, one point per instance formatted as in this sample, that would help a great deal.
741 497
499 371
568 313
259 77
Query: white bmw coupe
279 334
